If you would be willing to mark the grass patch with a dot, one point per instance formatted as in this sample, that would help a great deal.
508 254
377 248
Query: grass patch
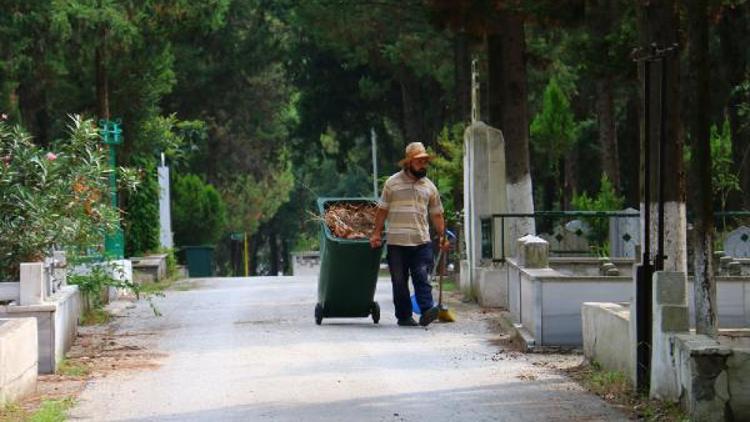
449 285
159 287
12 412
96 316
49 411
72 369
615 388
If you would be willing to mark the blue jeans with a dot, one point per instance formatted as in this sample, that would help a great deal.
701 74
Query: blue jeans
417 261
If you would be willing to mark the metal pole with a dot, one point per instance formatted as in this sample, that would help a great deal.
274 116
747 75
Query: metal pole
374 141
645 270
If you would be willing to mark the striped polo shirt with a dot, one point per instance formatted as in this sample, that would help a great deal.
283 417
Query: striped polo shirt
408 202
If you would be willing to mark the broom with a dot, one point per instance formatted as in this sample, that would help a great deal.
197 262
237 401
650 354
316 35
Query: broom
444 314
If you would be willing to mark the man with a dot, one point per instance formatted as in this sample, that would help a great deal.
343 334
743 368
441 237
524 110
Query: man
408 197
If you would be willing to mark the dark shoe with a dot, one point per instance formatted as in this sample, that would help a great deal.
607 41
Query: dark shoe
407 322
428 316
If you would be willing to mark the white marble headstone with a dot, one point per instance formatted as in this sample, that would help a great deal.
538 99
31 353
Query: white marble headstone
624 234
737 243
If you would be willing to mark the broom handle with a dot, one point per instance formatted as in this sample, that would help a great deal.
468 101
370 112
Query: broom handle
441 270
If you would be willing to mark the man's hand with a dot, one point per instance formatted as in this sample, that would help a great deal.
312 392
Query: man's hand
443 243
376 241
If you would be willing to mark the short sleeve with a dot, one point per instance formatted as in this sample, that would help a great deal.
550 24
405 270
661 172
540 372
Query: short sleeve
436 206
385 198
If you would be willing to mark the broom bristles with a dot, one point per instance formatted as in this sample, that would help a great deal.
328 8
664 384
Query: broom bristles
446 315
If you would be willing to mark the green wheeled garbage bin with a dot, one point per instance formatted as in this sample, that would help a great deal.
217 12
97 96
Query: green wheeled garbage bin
200 260
348 272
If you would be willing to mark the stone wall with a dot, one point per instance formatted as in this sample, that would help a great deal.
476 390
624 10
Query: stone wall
18 358
306 263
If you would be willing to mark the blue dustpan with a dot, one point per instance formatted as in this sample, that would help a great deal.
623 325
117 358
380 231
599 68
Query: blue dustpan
414 306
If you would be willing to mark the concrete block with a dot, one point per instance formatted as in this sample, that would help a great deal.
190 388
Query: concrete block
306 263
670 288
56 323
32 283
18 358
674 318
492 286
606 336
533 252
670 315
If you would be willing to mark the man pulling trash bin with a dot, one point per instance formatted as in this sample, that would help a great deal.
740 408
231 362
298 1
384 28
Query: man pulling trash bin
408 198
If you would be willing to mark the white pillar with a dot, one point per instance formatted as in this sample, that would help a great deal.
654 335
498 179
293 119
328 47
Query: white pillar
165 213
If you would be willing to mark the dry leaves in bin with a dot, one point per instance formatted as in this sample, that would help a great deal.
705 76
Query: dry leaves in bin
351 221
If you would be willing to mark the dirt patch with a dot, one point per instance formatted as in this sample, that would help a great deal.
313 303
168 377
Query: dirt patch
98 351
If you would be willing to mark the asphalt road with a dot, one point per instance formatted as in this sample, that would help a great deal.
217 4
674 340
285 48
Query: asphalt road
249 350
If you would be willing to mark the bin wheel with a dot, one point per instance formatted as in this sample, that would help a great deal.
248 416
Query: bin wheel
375 312
318 314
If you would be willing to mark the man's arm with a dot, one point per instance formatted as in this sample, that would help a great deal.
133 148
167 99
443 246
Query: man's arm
438 222
376 239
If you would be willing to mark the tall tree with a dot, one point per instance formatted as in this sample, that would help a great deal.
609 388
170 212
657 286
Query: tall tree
733 28
601 18
701 190
508 109
658 24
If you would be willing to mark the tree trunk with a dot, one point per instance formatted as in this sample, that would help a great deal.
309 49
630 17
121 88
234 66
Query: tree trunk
508 102
462 76
273 246
658 24
605 112
601 18
32 103
570 181
701 193
102 84
734 34
412 117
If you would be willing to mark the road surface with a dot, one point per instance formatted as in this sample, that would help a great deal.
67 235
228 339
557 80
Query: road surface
249 350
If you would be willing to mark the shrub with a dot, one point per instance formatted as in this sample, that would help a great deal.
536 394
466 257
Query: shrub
198 212
142 216
57 197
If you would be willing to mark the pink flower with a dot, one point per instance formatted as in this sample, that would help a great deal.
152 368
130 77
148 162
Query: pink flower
51 156
3 116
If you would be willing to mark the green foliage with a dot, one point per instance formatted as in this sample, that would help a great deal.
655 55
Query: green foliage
607 199
724 179
95 282
254 201
70 368
53 410
447 170
54 198
142 216
554 129
198 211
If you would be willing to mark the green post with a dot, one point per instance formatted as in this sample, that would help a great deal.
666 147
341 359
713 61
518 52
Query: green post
114 243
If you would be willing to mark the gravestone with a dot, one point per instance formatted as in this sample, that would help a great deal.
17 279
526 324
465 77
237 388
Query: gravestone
624 234
569 239
737 243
